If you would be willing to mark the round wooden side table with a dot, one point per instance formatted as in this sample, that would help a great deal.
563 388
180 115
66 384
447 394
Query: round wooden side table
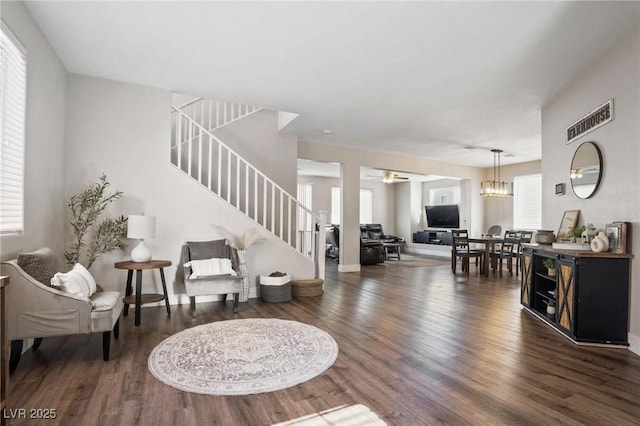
139 299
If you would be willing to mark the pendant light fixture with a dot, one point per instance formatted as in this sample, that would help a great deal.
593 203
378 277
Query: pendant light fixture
496 187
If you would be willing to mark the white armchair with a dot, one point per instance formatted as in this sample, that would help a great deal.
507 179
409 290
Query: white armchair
211 284
35 310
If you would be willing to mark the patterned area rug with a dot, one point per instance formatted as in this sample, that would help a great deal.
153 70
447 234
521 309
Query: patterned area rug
244 356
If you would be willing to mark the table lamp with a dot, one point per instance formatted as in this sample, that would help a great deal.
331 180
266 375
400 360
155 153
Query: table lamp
141 226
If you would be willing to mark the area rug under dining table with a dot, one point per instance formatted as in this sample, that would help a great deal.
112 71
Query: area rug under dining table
243 356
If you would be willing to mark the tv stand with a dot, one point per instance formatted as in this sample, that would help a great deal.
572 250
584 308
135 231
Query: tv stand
438 236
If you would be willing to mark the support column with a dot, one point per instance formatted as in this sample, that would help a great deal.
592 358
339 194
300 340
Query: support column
350 218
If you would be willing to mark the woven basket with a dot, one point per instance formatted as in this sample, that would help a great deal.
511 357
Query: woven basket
307 288
275 289
275 293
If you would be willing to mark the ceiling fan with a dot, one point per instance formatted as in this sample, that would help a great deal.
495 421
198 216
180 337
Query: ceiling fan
389 176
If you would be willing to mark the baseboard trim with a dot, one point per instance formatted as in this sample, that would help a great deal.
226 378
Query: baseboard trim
348 268
434 250
634 344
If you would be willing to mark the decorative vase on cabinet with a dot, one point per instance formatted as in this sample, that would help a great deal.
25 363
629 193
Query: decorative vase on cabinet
544 236
600 243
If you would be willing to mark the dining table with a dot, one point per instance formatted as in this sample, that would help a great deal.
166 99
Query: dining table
489 242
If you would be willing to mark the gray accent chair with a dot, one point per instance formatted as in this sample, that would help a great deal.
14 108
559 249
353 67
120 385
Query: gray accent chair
36 311
215 284
494 230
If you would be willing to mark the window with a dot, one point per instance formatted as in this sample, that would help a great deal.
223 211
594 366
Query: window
13 82
366 205
335 205
527 202
446 195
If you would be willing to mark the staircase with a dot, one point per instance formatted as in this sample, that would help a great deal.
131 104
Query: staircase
212 114
202 156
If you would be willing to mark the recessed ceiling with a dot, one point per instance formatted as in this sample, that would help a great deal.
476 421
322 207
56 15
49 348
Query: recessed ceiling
419 78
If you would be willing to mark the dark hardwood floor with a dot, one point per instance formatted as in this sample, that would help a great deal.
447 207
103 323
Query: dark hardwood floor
418 345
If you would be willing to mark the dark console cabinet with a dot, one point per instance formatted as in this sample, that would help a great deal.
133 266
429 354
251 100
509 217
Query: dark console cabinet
590 292
433 236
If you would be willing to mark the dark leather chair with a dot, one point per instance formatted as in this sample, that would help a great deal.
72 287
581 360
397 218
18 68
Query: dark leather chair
376 233
371 250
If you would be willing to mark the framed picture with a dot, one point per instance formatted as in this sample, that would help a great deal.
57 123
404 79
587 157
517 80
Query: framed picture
617 233
569 220
560 189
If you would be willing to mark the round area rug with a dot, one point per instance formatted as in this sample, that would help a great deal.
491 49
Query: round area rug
243 356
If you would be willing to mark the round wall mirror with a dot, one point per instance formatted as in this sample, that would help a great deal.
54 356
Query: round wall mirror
586 170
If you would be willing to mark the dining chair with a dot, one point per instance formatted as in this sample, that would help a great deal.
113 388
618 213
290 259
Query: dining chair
494 230
524 237
506 251
460 249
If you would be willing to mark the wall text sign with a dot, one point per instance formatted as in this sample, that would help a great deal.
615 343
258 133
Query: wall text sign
602 115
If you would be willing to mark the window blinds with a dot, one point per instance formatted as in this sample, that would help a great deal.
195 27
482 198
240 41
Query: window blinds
13 81
527 202
335 205
366 205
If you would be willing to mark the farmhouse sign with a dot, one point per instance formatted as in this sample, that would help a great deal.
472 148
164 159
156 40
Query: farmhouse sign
602 115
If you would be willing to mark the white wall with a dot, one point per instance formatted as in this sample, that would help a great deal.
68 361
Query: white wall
615 76
407 209
259 142
44 153
321 192
123 130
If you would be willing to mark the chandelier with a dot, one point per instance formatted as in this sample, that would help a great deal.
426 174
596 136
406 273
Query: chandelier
496 187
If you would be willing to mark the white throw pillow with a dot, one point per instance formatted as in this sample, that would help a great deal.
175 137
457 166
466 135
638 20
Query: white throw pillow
209 267
77 281
87 276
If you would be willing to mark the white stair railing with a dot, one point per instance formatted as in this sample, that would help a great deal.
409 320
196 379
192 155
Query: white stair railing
213 114
208 160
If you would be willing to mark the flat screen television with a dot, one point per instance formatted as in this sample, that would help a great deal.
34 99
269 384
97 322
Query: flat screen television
443 216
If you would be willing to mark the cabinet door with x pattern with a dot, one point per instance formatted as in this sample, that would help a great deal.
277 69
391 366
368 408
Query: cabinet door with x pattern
527 277
566 315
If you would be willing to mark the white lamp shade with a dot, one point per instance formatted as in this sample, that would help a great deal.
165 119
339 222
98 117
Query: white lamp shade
139 226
